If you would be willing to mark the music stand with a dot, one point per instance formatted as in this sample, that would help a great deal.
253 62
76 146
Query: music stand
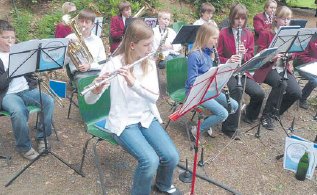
213 81
289 39
97 29
298 22
186 35
33 56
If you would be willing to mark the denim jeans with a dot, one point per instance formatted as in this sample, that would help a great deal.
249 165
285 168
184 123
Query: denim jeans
155 152
16 104
310 86
218 106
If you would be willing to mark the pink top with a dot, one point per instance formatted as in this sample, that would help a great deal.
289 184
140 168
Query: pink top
62 30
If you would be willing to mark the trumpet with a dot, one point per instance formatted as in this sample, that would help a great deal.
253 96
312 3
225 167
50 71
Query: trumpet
113 74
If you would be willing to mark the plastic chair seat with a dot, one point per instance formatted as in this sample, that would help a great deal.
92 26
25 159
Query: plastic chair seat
178 95
32 109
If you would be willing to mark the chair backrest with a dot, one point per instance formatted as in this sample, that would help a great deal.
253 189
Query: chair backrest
92 113
178 25
176 74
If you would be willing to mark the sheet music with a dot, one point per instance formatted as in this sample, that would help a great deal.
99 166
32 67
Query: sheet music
302 40
309 68
283 38
213 80
23 58
53 53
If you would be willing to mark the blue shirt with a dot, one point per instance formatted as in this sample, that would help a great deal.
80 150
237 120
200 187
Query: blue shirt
199 62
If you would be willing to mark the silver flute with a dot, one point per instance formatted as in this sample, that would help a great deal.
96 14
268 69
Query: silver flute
112 75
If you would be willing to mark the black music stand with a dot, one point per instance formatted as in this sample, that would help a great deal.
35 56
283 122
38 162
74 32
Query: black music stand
97 29
212 80
186 35
289 39
34 54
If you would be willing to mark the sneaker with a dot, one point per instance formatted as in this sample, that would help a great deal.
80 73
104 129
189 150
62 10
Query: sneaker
303 104
30 155
41 146
210 132
172 191
267 122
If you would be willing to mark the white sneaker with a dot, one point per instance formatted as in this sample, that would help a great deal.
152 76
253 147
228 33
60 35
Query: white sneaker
193 130
210 132
30 155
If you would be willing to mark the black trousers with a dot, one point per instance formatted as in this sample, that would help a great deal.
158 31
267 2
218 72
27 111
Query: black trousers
253 109
286 91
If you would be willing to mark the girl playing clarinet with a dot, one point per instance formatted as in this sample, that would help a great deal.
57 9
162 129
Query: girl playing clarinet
134 119
273 73
236 43
199 62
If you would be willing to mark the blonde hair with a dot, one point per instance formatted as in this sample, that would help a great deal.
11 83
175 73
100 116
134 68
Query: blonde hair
162 13
282 12
268 2
203 35
67 6
138 30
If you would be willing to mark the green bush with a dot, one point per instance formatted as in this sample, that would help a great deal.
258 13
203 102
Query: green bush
22 24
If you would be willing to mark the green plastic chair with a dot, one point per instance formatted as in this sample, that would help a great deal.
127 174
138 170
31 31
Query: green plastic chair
176 76
32 109
178 25
92 113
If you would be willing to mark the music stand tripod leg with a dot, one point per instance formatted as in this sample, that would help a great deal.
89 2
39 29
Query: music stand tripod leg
46 150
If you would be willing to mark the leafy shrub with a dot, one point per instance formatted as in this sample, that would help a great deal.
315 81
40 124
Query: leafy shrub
22 24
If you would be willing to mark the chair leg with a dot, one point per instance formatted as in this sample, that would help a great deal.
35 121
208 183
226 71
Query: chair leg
97 163
54 129
84 155
174 106
70 103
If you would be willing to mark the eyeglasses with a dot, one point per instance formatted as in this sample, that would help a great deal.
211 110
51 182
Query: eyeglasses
285 19
7 37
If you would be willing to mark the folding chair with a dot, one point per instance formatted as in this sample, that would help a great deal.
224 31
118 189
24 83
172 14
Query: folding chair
74 89
92 113
176 75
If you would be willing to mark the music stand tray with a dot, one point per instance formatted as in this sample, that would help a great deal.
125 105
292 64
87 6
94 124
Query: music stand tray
186 34
298 22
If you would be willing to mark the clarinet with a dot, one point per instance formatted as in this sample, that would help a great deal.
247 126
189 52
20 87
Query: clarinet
238 40
226 91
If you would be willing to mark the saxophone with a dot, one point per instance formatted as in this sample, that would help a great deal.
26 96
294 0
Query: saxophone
77 50
163 39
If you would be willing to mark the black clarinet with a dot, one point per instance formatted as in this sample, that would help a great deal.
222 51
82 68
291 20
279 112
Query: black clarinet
226 91
238 40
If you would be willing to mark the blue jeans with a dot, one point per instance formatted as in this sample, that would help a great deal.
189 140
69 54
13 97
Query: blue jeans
16 104
310 86
155 153
218 107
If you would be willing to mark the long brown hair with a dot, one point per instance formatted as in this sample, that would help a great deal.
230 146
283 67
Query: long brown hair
238 10
138 30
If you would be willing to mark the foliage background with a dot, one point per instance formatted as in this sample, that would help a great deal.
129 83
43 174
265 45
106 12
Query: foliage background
30 27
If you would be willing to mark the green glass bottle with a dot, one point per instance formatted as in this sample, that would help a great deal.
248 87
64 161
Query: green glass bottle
302 167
